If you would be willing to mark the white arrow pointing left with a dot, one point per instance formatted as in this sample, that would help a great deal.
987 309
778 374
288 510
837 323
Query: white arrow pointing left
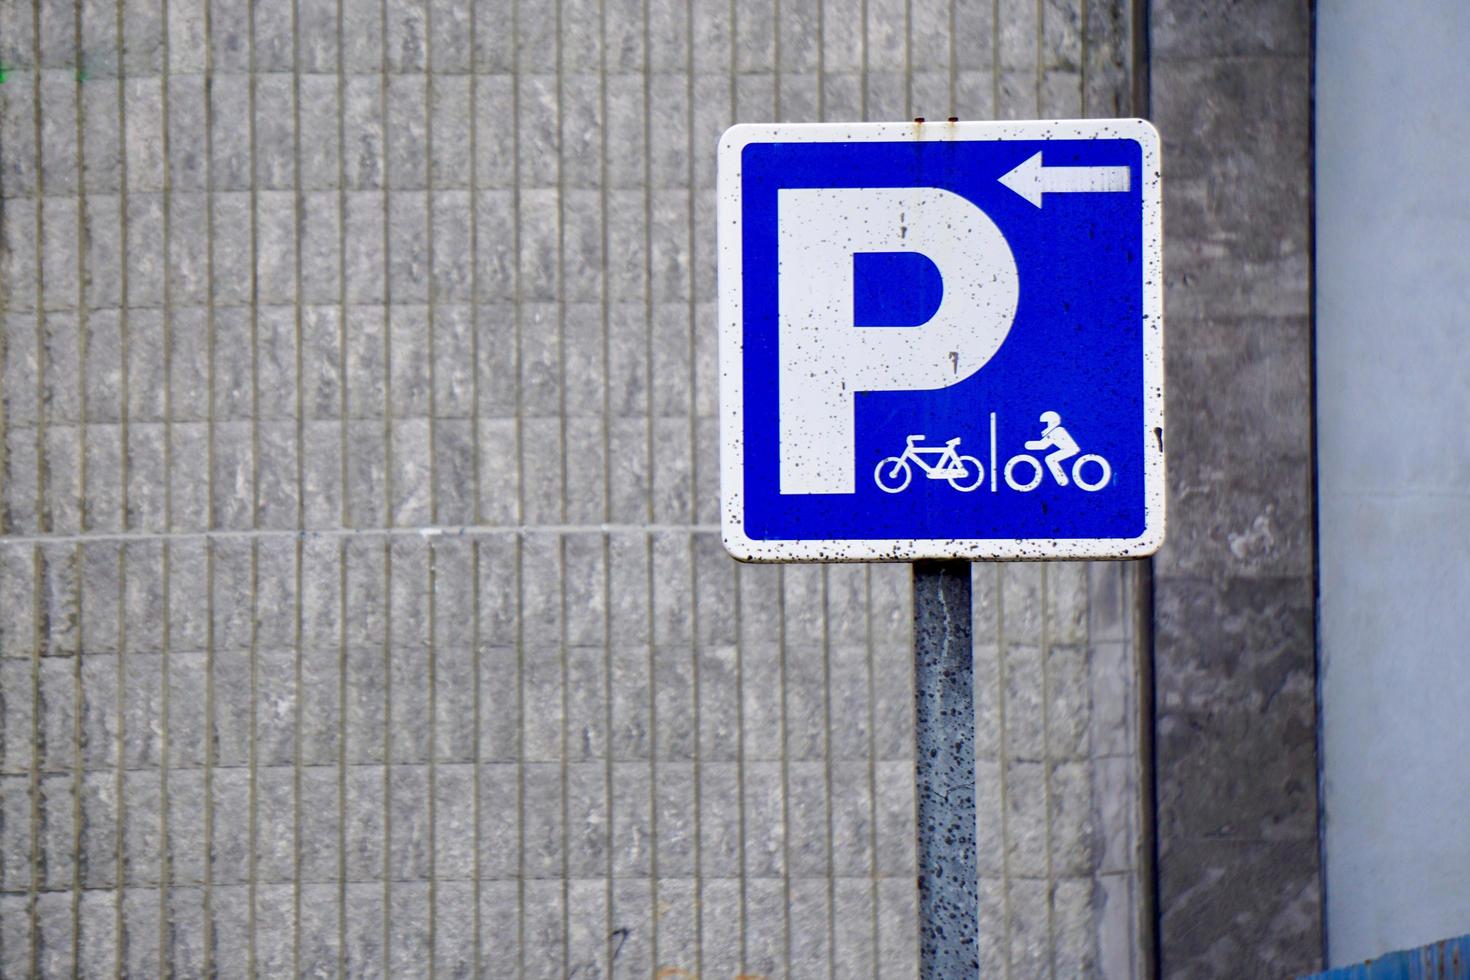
1031 180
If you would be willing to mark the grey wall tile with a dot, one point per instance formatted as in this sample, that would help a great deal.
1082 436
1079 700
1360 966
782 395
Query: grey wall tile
54 933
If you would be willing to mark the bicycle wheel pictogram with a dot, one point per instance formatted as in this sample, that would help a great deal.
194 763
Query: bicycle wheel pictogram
973 476
893 474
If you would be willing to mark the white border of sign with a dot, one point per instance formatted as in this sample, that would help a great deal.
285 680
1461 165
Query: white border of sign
732 454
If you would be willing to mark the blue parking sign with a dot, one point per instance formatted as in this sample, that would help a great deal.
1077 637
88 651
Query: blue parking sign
941 340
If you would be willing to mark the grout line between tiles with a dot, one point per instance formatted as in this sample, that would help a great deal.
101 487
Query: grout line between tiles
299 212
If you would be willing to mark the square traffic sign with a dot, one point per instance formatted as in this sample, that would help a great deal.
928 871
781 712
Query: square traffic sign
941 340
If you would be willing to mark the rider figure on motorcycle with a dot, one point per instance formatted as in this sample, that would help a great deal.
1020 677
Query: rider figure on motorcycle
1056 438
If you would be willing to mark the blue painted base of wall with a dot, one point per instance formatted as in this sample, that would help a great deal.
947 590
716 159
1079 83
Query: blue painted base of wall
1448 959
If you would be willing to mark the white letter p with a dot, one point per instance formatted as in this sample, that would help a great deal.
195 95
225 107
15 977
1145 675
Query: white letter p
825 359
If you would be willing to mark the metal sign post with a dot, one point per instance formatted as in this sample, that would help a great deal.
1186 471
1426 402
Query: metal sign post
944 742
941 342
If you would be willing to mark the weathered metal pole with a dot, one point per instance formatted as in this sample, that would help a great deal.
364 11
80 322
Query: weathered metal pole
944 732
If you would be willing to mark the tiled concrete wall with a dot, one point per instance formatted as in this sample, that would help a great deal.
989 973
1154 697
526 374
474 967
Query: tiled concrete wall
363 604
1239 883
1058 778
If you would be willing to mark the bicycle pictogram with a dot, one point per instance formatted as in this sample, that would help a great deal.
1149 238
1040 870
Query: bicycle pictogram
1063 447
964 473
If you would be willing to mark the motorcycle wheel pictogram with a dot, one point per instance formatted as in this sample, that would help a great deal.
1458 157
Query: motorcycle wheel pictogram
1102 481
1035 480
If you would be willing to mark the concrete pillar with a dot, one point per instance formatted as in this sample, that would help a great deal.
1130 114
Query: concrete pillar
1235 661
